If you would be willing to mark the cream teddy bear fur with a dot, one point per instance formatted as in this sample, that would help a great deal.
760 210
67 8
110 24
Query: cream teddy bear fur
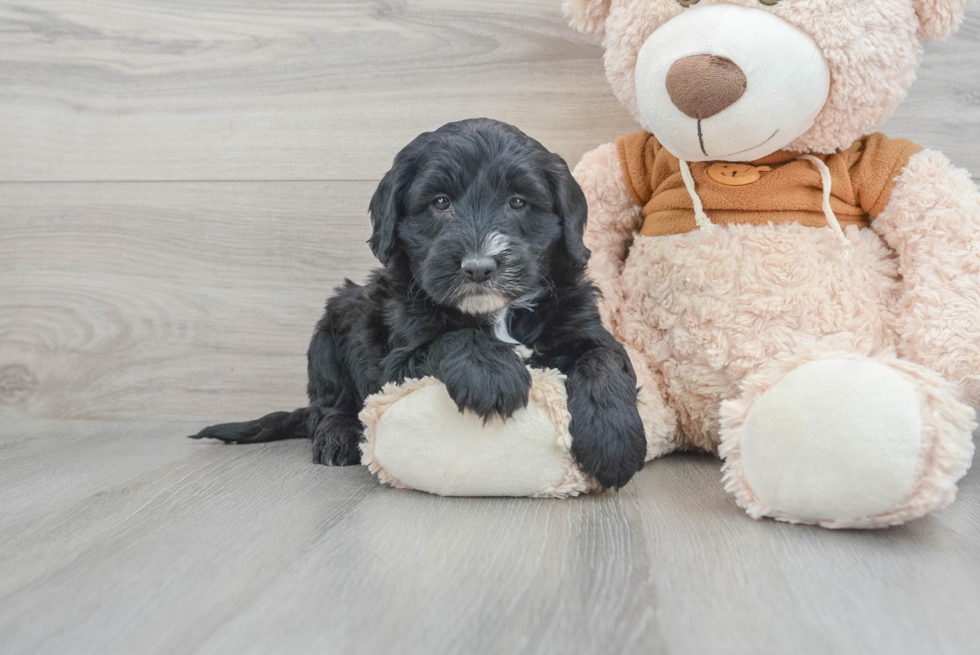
837 388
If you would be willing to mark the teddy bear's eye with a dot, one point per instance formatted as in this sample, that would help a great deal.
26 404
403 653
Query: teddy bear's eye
688 3
770 3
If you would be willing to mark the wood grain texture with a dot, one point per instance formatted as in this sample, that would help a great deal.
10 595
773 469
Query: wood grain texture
121 538
942 110
169 300
303 90
181 185
294 90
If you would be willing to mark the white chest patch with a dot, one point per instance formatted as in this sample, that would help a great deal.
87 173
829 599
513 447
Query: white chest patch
500 331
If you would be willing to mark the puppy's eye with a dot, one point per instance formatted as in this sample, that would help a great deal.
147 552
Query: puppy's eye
770 3
517 204
441 203
688 3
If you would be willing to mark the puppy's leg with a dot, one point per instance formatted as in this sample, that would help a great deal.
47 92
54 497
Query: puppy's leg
607 434
334 394
480 373
336 436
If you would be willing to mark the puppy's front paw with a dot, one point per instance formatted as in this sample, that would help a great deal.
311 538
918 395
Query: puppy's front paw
608 442
329 452
489 383
335 441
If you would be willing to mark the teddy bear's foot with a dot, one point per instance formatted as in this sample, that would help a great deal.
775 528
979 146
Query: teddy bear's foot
844 440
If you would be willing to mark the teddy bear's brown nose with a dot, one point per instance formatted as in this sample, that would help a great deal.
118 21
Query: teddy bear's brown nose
703 85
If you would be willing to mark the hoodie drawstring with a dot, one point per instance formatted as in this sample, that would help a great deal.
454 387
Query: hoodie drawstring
705 224
828 212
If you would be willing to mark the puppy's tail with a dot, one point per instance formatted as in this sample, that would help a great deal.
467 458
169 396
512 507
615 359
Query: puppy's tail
271 427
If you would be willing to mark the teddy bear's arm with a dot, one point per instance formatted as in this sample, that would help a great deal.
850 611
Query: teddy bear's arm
613 219
933 222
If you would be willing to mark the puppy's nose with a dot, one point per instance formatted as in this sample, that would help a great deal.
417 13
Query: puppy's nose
703 85
478 269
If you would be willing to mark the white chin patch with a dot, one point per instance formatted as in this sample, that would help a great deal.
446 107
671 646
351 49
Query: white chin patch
483 303
787 82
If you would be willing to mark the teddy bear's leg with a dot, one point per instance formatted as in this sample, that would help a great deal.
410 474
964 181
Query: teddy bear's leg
845 440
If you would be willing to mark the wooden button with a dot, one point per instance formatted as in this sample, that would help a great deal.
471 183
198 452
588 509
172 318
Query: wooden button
731 174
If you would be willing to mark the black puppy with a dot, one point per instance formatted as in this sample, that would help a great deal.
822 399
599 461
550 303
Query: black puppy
479 229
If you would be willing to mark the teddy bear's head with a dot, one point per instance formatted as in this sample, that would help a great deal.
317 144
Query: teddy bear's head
739 79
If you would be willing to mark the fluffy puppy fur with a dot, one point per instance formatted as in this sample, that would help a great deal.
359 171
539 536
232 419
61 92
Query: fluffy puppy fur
479 229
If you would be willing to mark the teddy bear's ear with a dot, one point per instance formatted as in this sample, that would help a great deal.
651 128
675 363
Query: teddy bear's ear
939 18
590 15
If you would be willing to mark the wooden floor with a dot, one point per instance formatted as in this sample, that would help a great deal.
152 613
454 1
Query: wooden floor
181 184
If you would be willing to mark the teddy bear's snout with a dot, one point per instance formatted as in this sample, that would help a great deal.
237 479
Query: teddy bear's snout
703 85
727 82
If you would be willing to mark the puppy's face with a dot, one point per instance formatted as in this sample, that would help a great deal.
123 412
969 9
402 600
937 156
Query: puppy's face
481 212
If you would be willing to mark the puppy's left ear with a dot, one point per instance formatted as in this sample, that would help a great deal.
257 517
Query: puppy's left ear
384 216
572 208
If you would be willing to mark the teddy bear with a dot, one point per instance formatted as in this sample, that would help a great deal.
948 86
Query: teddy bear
798 294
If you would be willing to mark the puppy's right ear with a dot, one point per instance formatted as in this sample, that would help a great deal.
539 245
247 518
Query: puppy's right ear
587 15
571 206
384 216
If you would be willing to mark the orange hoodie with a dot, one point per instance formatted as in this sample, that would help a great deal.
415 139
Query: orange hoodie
785 189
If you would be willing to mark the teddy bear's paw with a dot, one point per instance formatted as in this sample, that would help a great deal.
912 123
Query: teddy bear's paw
844 440
415 437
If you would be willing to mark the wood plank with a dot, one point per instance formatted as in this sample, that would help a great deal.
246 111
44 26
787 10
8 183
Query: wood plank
169 300
127 544
125 537
142 90
299 90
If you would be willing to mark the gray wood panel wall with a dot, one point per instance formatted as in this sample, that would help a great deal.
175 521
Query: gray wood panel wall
181 185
